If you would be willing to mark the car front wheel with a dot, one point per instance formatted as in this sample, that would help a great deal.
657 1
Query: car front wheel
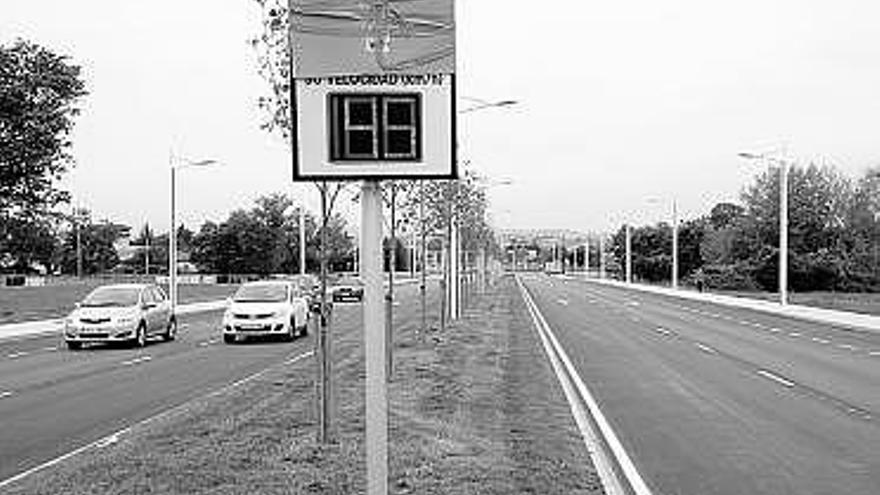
74 346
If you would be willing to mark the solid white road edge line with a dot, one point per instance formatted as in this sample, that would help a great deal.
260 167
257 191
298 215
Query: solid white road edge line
558 358
114 437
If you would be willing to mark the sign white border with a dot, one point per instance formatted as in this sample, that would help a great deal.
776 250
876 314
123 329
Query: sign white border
311 139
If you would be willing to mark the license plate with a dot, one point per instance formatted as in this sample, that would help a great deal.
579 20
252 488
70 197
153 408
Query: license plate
251 326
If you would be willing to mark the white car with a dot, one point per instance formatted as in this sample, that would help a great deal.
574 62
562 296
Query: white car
273 308
126 313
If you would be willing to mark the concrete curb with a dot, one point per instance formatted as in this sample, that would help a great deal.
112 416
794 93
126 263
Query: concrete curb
819 315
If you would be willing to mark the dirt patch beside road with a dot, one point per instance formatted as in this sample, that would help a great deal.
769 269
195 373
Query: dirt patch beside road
474 409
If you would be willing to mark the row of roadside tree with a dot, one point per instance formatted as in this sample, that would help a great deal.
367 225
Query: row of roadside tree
834 236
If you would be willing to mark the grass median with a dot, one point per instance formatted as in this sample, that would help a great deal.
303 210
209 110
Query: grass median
474 409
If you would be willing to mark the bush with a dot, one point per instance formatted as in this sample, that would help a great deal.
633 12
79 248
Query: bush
724 277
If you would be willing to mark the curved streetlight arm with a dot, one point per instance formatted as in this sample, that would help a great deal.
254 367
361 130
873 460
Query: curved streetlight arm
175 164
488 104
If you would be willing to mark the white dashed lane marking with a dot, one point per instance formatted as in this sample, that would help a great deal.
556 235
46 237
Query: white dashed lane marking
4 394
776 378
794 334
663 331
18 354
847 347
50 349
706 349
141 359
874 353
563 302
820 340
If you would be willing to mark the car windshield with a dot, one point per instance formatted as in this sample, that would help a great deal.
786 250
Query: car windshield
112 296
261 293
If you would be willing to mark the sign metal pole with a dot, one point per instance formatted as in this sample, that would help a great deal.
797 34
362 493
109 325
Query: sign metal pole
374 339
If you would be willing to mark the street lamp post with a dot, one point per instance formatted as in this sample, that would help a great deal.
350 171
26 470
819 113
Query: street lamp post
783 220
172 236
587 257
628 254
674 275
302 240
454 288
674 244
79 260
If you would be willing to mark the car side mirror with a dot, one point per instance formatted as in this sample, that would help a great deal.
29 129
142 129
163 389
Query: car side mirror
77 305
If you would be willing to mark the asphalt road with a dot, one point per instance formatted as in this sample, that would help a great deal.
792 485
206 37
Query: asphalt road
709 399
53 401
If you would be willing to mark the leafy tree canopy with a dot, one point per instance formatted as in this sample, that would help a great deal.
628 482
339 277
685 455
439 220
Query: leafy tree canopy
38 93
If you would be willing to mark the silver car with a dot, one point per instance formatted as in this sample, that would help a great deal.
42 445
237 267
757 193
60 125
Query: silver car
122 313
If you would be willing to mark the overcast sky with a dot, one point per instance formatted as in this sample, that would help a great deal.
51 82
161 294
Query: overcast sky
620 102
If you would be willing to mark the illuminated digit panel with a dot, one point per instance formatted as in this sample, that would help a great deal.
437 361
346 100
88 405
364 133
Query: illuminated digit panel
383 127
